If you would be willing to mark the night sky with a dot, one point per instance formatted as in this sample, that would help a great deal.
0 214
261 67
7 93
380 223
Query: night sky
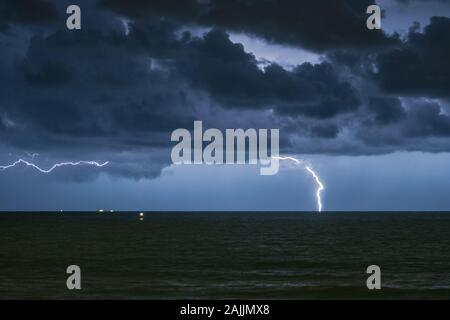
369 109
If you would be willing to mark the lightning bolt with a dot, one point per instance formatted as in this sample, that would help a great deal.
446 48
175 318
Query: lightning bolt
320 186
57 165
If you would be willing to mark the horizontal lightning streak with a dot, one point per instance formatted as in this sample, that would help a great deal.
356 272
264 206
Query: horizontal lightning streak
57 165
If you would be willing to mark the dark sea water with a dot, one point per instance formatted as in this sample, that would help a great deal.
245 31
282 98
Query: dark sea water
225 255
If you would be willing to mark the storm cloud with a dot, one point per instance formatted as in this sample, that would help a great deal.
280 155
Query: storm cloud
420 66
27 12
139 69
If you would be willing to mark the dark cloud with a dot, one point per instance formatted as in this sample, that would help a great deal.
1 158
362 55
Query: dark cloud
26 12
233 77
421 65
386 110
317 25
423 1
49 74
325 131
422 125
427 120
117 88
96 93
87 79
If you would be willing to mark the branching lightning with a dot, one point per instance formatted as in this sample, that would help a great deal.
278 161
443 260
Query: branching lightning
320 186
57 165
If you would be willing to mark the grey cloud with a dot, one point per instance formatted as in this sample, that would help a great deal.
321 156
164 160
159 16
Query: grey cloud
26 12
386 109
318 25
110 96
232 76
421 65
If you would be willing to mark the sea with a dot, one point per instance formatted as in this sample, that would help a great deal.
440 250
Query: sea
211 255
